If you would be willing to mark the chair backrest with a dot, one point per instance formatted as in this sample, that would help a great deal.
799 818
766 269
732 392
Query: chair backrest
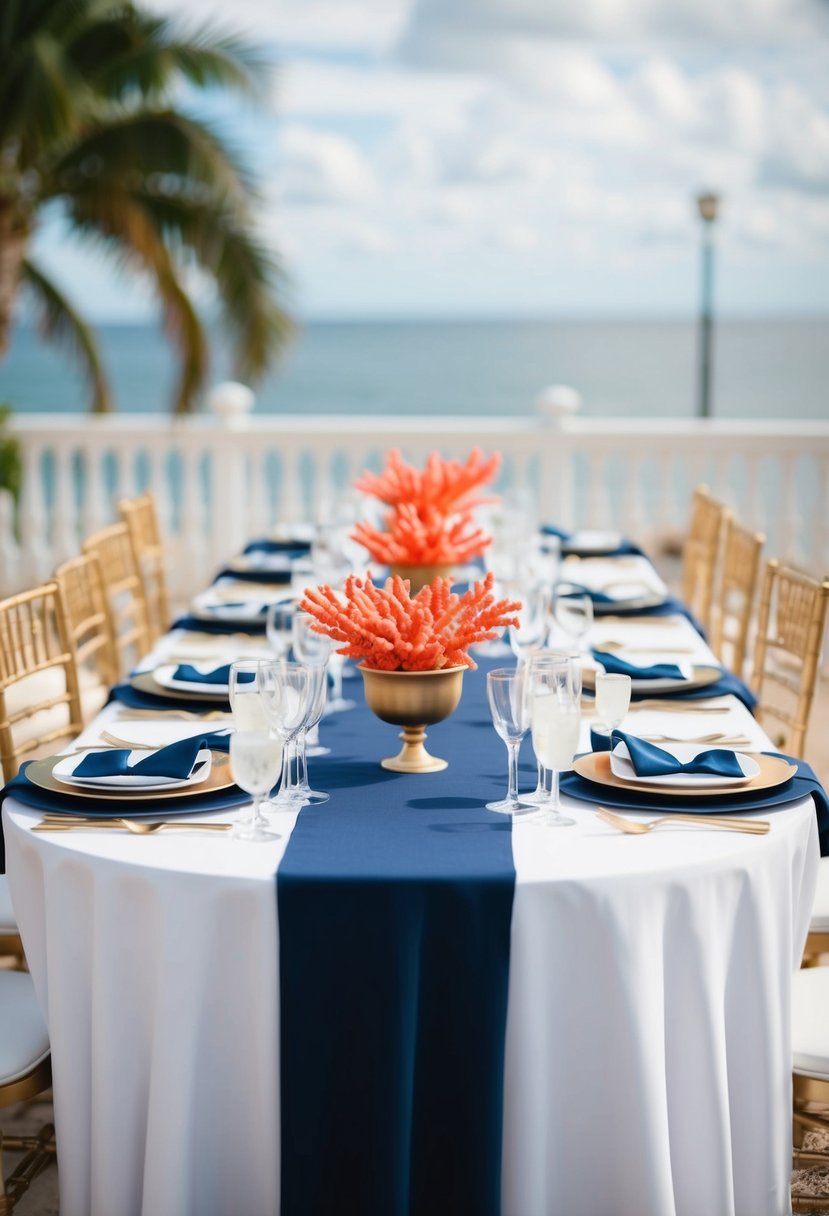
39 695
90 626
790 629
124 592
739 581
141 517
699 554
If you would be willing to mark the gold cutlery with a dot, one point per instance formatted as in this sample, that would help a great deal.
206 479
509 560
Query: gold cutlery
188 715
678 707
220 639
137 827
755 827
612 645
672 621
716 737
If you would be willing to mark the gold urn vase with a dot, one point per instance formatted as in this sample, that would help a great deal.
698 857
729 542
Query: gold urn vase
419 574
413 700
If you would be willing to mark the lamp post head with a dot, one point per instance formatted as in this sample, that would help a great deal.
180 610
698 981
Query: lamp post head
708 205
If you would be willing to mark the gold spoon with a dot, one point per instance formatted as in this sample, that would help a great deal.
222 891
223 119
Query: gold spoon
755 827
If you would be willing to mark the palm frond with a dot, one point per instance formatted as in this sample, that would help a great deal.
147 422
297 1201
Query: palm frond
151 144
57 319
40 96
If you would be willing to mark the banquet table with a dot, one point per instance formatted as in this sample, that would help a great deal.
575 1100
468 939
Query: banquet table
646 1061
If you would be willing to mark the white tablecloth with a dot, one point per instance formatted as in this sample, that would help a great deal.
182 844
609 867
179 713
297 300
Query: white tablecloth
647 1064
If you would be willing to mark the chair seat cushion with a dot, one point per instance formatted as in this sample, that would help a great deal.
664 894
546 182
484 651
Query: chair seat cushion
24 1041
810 1022
7 922
820 910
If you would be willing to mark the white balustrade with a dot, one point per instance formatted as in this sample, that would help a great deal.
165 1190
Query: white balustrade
218 480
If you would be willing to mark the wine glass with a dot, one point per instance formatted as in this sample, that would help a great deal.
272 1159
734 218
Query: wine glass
612 699
245 699
556 719
532 622
278 627
302 791
255 762
573 614
314 650
544 661
506 694
286 690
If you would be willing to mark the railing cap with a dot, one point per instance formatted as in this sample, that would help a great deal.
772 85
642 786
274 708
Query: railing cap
231 402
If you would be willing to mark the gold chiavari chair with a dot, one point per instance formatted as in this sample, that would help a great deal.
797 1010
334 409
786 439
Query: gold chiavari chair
25 1072
810 1065
39 695
790 629
124 592
141 517
81 583
699 554
739 581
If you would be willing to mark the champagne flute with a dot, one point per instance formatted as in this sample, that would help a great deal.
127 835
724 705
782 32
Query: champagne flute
556 719
532 623
245 699
314 650
286 691
506 694
302 791
255 762
612 699
548 660
573 614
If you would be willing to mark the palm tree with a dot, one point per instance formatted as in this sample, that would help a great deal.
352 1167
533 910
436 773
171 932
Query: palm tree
87 120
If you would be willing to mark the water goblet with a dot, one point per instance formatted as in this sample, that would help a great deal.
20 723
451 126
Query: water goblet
245 699
303 794
286 691
506 694
314 650
278 628
612 699
255 762
573 614
532 623
556 720
543 661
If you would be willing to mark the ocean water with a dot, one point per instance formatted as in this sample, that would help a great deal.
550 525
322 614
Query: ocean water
769 368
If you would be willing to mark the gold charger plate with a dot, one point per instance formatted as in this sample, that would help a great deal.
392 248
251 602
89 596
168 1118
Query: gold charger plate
144 681
39 773
595 766
702 674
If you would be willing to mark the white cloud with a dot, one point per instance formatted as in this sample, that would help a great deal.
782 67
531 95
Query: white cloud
320 167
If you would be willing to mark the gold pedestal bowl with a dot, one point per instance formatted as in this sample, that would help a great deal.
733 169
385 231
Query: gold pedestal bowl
413 700
419 574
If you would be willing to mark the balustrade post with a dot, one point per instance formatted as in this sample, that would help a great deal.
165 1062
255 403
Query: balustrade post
232 404
554 406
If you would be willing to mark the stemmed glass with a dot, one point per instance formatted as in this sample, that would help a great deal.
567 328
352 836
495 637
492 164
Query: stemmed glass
556 718
573 614
506 694
278 629
245 699
255 761
302 791
545 661
314 650
532 623
286 692
612 699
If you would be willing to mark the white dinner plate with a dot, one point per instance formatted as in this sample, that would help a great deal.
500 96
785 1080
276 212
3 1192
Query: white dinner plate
592 541
164 676
271 563
621 767
244 611
64 772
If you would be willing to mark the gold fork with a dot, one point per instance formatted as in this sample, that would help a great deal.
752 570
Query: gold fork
188 715
755 827
53 824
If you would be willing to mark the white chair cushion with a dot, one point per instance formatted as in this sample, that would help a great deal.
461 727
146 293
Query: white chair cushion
7 922
820 909
24 1041
810 1022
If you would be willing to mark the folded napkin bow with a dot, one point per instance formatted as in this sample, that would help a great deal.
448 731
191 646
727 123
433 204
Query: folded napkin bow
651 761
252 608
618 667
175 762
188 674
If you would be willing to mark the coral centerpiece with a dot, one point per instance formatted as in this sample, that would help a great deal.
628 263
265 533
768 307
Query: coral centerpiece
430 526
414 650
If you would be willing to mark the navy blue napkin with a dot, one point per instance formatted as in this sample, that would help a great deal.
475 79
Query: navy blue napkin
175 761
570 544
186 672
196 624
651 761
136 698
291 548
618 667
568 590
256 576
253 607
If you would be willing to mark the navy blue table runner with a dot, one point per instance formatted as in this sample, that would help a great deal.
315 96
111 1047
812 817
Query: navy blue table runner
395 905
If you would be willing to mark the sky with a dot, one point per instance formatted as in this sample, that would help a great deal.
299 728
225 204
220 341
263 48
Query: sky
525 157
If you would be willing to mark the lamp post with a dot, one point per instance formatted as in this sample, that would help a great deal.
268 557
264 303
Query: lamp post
708 205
